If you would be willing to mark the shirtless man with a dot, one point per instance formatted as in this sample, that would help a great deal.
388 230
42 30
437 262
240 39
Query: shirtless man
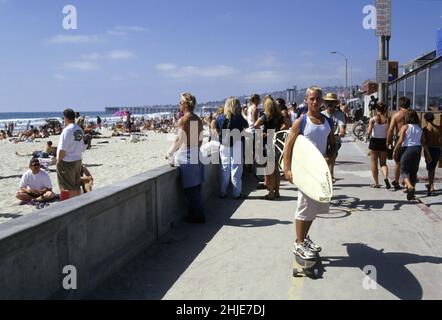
397 121
188 143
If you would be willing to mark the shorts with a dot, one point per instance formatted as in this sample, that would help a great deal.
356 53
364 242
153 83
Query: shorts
69 175
378 145
308 208
435 155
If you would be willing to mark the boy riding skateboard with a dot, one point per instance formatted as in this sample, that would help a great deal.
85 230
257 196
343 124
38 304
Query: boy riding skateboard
318 130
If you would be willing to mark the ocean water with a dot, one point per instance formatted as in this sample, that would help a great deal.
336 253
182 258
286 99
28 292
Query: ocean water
36 119
44 115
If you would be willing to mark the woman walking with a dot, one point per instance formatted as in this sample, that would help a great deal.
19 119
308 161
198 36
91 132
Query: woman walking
377 131
408 151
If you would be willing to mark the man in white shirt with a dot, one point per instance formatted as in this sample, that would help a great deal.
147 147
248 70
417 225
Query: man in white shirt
35 184
70 154
339 126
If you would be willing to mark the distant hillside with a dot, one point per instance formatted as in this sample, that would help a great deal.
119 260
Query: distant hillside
275 94
243 99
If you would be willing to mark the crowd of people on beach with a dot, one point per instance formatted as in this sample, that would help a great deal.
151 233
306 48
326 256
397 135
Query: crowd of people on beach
323 121
75 136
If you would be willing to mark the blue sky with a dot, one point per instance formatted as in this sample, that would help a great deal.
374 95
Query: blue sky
141 52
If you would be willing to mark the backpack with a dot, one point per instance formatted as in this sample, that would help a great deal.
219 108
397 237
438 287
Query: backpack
304 123
227 123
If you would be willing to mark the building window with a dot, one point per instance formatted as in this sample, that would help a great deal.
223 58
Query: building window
435 87
409 88
400 88
393 96
421 86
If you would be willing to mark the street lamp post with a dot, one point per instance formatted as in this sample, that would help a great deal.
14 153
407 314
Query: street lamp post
346 72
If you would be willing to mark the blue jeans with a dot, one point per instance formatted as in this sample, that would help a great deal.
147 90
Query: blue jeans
231 168
193 197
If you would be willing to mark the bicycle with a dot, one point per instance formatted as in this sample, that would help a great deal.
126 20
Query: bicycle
360 128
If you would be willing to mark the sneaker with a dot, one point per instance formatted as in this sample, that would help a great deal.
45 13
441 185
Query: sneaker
302 251
411 194
311 245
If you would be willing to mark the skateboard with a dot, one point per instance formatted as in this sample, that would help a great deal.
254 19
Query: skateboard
308 268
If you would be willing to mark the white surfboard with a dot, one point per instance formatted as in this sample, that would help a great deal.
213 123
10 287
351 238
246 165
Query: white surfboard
310 171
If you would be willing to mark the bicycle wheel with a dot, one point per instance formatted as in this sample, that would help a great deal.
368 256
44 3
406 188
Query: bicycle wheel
356 129
359 131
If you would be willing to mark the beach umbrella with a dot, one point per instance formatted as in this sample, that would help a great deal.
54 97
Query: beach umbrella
120 114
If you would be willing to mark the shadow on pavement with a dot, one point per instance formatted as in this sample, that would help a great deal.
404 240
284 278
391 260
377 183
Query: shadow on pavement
283 198
10 215
391 271
340 163
253 223
154 272
366 205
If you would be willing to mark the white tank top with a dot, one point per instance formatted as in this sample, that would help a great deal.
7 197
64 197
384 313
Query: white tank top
413 136
250 121
318 134
379 131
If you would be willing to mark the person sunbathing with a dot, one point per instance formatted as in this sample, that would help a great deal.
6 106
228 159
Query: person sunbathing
3 135
87 181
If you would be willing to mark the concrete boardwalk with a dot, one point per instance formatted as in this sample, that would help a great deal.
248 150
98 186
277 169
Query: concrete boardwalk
245 249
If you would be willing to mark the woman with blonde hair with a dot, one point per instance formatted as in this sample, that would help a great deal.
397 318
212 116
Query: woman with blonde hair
230 127
377 131
271 120
188 143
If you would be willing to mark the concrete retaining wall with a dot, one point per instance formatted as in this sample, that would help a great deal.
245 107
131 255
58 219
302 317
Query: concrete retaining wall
97 233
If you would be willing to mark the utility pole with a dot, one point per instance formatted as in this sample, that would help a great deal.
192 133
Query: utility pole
382 56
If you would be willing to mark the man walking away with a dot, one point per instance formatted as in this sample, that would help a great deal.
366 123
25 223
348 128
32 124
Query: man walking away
339 126
396 124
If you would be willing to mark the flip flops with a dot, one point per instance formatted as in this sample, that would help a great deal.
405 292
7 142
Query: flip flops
375 186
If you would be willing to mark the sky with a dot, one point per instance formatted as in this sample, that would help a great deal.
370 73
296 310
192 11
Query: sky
145 52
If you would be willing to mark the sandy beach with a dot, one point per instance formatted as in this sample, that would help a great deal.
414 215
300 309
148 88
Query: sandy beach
109 160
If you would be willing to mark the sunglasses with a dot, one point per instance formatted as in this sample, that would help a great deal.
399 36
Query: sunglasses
35 164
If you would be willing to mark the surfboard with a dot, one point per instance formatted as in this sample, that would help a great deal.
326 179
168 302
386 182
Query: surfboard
310 171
